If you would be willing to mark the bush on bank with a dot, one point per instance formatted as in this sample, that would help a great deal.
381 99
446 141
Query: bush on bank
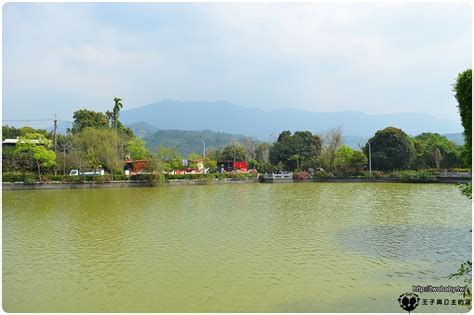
156 178
414 176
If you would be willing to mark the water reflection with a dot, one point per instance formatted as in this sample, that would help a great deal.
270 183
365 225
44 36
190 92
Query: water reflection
408 242
229 248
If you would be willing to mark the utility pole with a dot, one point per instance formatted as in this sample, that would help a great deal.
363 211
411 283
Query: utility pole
370 160
64 158
55 138
54 133
204 148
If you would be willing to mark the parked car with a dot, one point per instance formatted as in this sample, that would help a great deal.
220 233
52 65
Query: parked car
90 173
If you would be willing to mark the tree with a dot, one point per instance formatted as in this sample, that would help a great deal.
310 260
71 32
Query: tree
137 149
463 94
114 115
99 150
262 152
332 140
38 146
358 160
343 158
10 132
433 150
306 147
85 118
391 149
210 163
70 154
282 150
125 131
154 169
170 158
295 151
192 159
233 152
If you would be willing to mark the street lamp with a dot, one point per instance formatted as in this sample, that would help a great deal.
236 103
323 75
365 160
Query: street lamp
204 148
370 159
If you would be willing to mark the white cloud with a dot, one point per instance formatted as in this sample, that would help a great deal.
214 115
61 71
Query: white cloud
370 57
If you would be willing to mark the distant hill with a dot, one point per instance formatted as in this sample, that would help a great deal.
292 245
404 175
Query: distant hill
142 129
355 141
190 141
457 138
235 119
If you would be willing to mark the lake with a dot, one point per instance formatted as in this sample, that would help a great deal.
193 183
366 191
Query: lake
300 247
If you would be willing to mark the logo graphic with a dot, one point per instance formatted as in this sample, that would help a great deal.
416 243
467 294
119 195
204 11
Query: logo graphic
408 301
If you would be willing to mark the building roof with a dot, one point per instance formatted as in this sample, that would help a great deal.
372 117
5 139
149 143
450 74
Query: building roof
15 141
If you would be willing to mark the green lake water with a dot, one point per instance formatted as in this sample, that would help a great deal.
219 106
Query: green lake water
302 247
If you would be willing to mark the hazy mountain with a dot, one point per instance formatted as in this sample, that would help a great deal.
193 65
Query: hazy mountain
235 119
457 138
190 141
356 141
142 129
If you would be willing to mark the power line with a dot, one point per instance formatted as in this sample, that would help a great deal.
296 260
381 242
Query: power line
17 120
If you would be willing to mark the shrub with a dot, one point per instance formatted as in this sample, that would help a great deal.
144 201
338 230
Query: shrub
75 179
27 178
30 179
53 178
377 174
415 177
323 175
120 177
103 179
300 175
212 176
8 177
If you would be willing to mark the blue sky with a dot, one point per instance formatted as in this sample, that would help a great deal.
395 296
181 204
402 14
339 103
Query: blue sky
374 58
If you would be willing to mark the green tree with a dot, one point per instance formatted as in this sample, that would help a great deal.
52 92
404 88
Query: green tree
99 150
358 160
332 140
232 152
434 151
262 152
69 154
210 163
170 158
38 146
463 94
192 159
115 113
297 151
10 132
85 118
391 149
154 169
125 131
343 158
137 149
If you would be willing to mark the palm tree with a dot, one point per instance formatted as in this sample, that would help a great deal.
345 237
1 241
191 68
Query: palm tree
116 111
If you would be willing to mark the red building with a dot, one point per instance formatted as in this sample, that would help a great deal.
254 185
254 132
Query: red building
135 166
230 166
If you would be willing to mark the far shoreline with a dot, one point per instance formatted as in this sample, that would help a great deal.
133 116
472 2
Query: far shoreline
183 182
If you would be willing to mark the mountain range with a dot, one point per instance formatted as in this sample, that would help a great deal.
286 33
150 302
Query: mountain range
186 141
267 125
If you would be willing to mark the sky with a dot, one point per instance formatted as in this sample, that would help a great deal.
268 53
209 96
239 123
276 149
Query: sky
372 57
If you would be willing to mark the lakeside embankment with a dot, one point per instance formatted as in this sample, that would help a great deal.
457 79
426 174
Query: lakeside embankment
118 184
181 182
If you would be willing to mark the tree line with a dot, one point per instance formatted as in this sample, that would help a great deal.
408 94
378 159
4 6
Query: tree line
99 140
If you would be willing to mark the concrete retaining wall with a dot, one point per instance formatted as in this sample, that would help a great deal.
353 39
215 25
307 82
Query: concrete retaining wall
175 182
180 182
